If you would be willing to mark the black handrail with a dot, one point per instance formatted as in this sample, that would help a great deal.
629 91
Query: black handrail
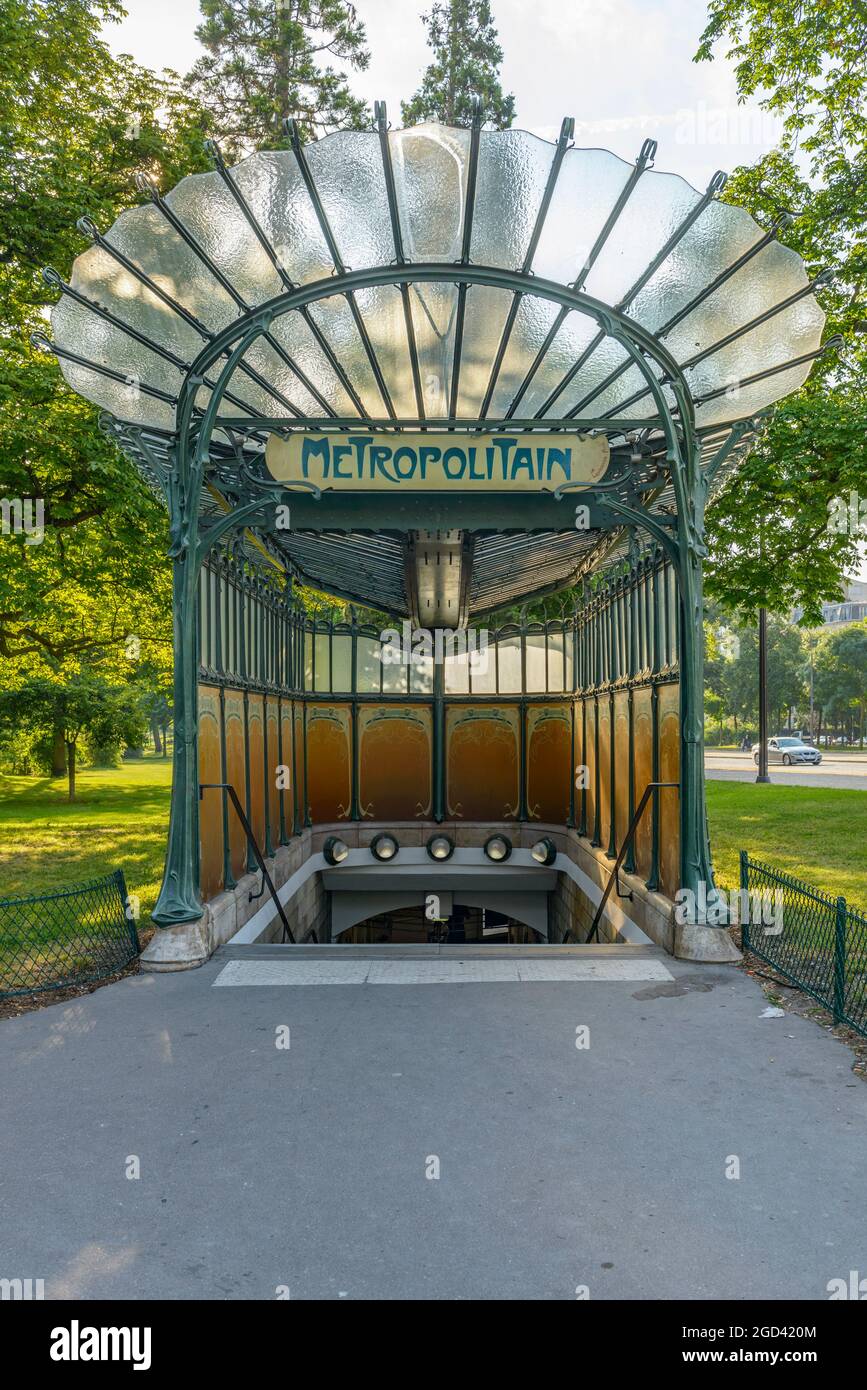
257 853
614 880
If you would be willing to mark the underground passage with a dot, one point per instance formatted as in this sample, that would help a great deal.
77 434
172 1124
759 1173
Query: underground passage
439 376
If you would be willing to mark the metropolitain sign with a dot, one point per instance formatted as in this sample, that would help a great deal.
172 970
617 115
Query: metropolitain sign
437 462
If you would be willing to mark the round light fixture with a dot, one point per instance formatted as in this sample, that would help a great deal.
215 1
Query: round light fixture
440 847
335 850
384 847
498 848
544 852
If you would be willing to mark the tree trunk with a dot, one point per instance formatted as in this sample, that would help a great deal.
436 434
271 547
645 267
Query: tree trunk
58 753
70 762
155 735
165 740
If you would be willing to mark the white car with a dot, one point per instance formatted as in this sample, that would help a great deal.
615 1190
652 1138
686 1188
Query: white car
788 751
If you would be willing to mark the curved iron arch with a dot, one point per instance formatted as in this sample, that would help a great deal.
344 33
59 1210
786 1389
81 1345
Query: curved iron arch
638 341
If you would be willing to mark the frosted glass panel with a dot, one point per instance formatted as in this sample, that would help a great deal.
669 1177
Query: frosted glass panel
513 172
308 661
370 667
457 674
421 674
537 679
347 171
207 209
341 664
485 316
588 186
323 662
659 203
430 164
509 658
394 678
483 668
556 643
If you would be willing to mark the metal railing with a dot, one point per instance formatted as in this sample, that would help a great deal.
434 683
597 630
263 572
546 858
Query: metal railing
72 937
817 942
257 853
614 880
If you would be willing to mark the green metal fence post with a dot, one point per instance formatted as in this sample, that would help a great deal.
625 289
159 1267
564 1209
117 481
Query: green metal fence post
840 961
745 898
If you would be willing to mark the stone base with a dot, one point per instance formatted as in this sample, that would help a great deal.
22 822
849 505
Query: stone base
177 948
713 945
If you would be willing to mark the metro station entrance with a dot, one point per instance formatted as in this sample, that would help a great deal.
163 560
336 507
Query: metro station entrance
476 387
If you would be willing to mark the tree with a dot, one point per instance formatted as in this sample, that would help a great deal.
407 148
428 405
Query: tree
840 680
263 64
97 574
86 704
467 58
768 531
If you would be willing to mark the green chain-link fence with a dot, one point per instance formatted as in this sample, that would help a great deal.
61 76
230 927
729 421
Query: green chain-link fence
817 942
66 938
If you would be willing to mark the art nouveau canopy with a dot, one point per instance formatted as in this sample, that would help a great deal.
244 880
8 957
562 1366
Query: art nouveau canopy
427 280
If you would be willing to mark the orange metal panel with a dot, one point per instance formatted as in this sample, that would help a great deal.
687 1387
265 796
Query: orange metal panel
395 761
603 714
549 747
329 766
256 737
482 762
300 763
621 765
272 718
669 801
590 760
642 725
236 775
211 804
289 787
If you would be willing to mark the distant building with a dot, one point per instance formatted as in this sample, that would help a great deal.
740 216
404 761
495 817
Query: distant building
852 608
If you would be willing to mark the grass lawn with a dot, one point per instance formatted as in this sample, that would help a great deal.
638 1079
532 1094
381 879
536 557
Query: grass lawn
119 820
817 834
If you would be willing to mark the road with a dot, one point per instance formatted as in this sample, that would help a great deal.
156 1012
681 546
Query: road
439 1141
835 770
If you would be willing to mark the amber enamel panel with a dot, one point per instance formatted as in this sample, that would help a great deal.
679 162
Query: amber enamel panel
329 764
256 737
549 760
236 775
482 762
642 724
395 761
669 801
211 804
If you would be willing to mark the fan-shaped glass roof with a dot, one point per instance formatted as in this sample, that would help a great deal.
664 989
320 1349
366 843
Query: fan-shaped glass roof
437 276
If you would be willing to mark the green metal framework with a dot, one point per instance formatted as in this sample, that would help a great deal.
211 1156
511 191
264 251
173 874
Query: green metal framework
210 466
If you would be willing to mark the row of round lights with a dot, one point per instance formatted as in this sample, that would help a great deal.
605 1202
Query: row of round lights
385 847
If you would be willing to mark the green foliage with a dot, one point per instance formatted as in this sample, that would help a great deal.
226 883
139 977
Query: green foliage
732 671
807 62
264 62
110 716
768 534
467 58
71 143
840 674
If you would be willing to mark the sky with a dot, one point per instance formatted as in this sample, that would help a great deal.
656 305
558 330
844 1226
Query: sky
622 68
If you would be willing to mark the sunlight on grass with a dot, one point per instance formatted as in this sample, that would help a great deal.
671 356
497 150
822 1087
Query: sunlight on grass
814 833
119 820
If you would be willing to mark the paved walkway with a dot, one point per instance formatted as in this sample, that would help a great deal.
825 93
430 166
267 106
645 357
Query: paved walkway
835 770
312 1167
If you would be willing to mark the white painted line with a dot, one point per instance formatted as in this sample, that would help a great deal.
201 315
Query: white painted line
437 972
